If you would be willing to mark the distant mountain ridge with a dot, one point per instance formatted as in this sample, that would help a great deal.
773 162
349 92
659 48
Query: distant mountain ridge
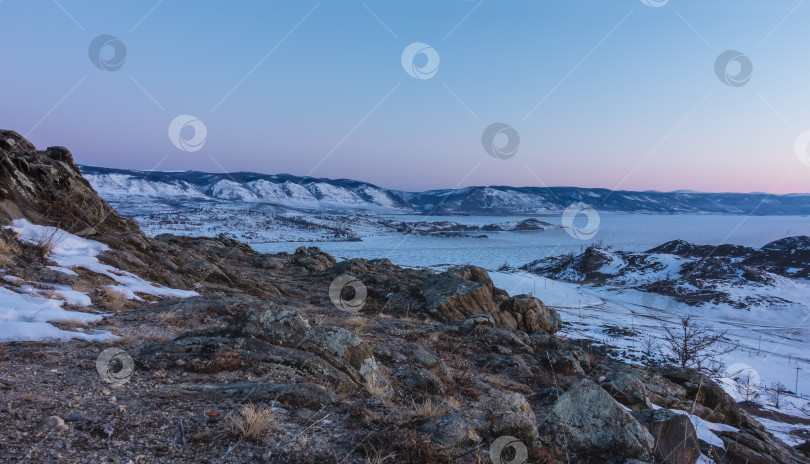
311 193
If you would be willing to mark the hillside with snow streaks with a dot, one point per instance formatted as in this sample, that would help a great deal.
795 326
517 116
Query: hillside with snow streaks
349 195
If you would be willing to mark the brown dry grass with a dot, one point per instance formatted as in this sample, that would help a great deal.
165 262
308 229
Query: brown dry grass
81 286
6 253
251 422
378 387
430 409
111 298
167 317
356 323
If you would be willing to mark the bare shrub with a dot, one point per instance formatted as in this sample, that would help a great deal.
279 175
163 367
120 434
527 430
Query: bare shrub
775 393
695 346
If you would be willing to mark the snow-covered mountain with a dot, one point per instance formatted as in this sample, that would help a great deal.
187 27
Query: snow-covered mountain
308 193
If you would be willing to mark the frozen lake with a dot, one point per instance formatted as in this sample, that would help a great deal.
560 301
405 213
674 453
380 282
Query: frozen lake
634 232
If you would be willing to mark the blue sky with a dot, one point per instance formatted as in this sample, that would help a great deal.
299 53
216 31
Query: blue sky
612 94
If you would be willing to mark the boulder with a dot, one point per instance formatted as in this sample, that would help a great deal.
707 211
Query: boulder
564 362
586 420
501 413
312 259
449 297
267 320
676 441
527 313
627 389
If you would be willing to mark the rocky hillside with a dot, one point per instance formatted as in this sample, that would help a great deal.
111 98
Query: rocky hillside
295 357
119 185
738 276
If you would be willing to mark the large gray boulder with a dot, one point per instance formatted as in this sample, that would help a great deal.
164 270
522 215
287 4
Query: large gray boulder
586 420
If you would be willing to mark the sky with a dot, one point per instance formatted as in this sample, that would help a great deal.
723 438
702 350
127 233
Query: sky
620 94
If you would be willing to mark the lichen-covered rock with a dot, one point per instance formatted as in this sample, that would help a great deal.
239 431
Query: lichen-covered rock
585 420
313 259
282 325
565 362
501 413
676 441
627 389
343 350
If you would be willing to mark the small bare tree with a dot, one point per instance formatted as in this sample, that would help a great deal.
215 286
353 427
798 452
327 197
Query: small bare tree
695 346
649 349
775 393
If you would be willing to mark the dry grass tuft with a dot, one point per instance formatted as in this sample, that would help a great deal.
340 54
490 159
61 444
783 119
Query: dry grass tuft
454 403
356 323
40 249
166 317
81 286
6 253
378 458
430 409
112 299
378 387
252 422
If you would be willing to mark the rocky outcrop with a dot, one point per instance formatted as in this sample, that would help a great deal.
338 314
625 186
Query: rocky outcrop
47 188
463 292
268 334
529 314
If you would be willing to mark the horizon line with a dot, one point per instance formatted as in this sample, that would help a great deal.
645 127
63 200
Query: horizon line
684 191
